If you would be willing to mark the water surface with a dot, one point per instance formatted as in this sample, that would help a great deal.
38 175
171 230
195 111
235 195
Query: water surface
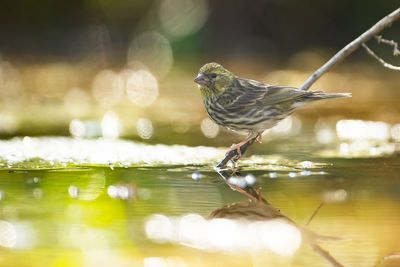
82 215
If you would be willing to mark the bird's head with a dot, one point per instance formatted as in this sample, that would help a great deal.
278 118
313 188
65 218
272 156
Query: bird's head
213 79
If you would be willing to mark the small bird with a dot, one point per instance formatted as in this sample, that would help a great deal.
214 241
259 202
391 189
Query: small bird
248 106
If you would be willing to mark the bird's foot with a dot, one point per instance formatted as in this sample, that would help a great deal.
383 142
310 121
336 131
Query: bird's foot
237 148
259 138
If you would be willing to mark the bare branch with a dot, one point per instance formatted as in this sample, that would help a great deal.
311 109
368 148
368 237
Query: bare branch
383 62
351 47
392 43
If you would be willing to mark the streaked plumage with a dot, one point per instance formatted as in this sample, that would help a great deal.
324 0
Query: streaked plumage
250 106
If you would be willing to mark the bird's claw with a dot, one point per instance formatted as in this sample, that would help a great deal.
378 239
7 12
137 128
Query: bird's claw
237 148
259 138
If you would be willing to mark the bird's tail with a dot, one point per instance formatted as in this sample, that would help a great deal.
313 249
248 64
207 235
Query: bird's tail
322 95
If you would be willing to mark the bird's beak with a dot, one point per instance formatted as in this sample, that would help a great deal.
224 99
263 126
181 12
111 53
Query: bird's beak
201 79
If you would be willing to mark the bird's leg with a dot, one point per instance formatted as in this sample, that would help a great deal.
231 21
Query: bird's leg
243 192
239 145
259 138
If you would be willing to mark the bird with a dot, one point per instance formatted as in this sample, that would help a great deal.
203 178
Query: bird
249 106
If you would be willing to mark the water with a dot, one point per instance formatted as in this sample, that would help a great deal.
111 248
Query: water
148 214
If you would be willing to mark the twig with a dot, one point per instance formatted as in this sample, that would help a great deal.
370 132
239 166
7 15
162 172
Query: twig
387 21
383 62
234 155
351 47
325 254
392 43
315 212
248 191
393 256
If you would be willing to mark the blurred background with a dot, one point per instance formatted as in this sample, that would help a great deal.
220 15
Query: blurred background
125 68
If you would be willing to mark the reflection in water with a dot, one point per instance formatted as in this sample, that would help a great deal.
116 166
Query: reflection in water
226 234
8 234
254 225
155 215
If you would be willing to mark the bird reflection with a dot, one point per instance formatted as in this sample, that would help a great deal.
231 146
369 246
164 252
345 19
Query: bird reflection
238 182
281 234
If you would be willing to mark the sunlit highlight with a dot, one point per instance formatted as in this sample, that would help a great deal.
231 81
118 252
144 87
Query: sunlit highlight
366 130
153 50
110 125
141 88
60 151
395 132
8 234
108 88
144 128
159 228
73 191
291 125
121 191
79 128
77 102
220 234
209 128
182 17
8 123
334 196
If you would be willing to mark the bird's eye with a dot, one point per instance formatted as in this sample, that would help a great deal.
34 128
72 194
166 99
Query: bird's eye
213 75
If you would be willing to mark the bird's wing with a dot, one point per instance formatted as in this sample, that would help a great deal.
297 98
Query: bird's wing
247 93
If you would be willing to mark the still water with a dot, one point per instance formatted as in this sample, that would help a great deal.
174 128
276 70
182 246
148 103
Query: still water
159 214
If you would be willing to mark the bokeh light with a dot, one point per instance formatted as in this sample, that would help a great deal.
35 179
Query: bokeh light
334 196
366 130
8 234
209 128
10 85
110 125
395 132
324 132
79 128
179 18
8 123
159 228
77 102
121 191
291 125
108 88
141 87
153 50
144 128
219 234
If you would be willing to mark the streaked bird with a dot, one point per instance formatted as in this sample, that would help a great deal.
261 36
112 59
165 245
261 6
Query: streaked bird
249 106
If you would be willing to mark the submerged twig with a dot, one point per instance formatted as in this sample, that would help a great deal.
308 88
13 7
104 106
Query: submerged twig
325 254
383 62
351 47
315 212
385 259
258 208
